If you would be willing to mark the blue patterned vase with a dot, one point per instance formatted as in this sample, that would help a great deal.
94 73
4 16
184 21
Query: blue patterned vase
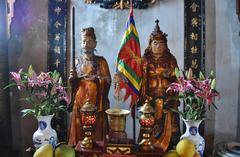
45 134
192 133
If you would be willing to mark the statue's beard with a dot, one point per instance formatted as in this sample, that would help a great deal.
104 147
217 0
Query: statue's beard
87 51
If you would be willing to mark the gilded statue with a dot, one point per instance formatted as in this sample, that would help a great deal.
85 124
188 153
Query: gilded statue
90 81
158 66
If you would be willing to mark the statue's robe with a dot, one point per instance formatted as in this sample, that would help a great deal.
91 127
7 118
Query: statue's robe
97 92
158 74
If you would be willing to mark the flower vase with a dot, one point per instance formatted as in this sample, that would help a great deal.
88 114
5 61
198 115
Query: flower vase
192 133
44 134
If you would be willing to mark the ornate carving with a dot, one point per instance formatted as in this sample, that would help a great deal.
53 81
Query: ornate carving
122 4
119 149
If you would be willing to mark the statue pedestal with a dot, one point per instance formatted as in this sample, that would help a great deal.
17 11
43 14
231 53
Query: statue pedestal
97 150
101 149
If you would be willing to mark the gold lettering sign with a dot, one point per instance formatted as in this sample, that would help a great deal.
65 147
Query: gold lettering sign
194 49
194 64
57 62
57 49
194 36
57 10
57 24
57 36
194 7
195 22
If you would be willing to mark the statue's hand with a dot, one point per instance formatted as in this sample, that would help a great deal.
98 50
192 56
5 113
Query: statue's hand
73 75
166 74
147 98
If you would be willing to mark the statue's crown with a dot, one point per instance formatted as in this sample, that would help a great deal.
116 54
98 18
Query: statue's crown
157 34
89 31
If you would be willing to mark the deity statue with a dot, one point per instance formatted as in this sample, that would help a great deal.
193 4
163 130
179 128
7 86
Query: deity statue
158 66
90 81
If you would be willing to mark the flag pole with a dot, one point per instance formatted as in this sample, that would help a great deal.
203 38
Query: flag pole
73 58
134 106
73 37
134 124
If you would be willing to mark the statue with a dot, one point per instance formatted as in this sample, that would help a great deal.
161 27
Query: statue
158 66
90 81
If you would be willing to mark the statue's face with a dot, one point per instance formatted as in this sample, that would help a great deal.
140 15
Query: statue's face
88 44
158 46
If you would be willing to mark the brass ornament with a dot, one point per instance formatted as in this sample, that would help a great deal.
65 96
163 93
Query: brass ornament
88 120
146 121
117 125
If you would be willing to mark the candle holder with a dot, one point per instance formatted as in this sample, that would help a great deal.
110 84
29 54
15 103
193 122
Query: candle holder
146 121
88 120
117 122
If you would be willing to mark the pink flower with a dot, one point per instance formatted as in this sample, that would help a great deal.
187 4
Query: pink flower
205 91
32 82
59 89
182 86
207 95
16 76
44 79
203 85
41 94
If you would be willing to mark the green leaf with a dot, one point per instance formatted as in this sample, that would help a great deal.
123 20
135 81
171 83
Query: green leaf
60 80
177 111
55 75
201 76
177 72
28 112
213 84
186 73
10 85
30 70
211 74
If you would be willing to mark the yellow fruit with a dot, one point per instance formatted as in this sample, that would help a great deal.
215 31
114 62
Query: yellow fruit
197 154
44 151
185 148
64 151
171 153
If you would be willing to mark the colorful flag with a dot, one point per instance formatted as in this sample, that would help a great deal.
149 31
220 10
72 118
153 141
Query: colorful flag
129 61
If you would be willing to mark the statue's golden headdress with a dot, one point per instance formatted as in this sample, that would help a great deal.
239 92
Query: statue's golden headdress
157 34
89 31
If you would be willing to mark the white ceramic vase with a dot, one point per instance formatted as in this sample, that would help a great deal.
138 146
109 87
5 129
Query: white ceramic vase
44 134
192 133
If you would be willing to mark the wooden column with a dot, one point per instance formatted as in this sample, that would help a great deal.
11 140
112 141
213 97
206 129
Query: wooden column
5 121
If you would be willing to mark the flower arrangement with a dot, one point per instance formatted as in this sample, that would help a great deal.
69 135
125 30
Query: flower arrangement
196 93
44 91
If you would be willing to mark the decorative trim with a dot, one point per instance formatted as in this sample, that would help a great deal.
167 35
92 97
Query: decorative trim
122 4
57 28
120 149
